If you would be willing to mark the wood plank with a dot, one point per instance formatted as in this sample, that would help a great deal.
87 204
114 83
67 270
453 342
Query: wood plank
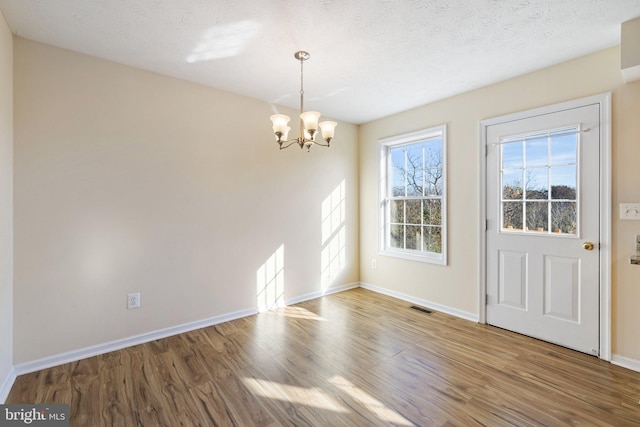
354 358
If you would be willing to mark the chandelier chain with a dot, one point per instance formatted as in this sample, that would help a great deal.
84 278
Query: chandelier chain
301 87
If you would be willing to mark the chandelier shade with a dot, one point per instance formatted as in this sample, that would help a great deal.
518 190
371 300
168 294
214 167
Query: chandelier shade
308 120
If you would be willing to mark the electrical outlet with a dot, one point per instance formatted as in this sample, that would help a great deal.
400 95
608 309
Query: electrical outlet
133 300
374 263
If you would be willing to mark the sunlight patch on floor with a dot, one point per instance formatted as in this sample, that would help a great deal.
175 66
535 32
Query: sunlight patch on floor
369 402
311 396
297 313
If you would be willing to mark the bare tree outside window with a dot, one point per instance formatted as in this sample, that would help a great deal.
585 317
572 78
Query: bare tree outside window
417 189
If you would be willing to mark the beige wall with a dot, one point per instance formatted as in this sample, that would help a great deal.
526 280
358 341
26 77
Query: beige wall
128 181
626 184
456 285
6 202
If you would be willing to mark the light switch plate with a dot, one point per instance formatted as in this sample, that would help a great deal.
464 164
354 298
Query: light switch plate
630 211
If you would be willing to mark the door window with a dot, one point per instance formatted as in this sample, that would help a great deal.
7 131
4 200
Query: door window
539 183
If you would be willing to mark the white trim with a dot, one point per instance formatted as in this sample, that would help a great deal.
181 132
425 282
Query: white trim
411 255
626 362
6 385
424 303
605 225
320 294
83 353
482 222
604 102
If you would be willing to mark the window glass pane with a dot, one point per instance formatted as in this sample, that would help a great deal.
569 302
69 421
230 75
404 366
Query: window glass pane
549 171
537 183
414 237
396 239
397 171
563 182
564 149
397 182
433 153
414 215
396 211
512 216
432 212
414 182
433 182
537 151
537 216
414 156
397 157
512 155
564 217
432 239
512 185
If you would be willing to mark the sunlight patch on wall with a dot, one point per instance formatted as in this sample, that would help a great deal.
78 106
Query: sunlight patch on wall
311 396
270 282
373 405
223 41
333 254
333 258
333 211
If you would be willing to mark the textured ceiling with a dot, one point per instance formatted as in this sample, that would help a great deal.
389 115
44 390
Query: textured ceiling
369 58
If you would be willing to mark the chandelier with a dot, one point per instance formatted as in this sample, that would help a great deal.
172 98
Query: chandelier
308 120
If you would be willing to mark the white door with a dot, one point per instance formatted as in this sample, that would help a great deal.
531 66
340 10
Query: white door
542 246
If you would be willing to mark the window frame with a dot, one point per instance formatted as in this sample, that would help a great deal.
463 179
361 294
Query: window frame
385 195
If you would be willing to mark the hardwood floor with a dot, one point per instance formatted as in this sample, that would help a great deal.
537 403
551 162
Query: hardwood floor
355 358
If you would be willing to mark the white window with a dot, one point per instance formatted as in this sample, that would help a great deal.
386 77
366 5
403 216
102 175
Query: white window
413 196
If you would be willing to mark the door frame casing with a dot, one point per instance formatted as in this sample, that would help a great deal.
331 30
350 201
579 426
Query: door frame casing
604 102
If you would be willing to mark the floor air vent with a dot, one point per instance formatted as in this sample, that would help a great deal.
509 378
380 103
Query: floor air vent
422 309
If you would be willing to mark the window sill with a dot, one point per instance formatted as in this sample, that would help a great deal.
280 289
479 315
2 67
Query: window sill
430 258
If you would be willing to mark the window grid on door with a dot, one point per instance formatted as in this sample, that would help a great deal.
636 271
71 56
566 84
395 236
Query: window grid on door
539 183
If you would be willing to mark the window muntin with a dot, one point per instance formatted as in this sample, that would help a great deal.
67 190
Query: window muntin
413 196
539 183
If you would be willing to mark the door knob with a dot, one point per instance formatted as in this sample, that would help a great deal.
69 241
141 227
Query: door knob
588 246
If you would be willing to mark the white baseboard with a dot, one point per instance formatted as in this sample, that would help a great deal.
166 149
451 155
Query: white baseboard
5 388
72 356
425 303
318 294
83 353
626 362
